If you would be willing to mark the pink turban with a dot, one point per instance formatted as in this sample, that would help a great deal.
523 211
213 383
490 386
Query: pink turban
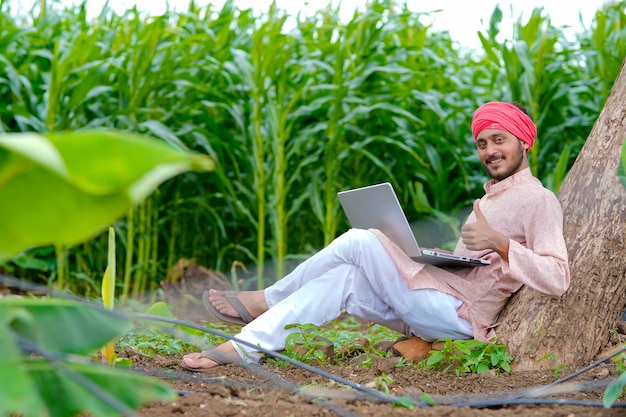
504 116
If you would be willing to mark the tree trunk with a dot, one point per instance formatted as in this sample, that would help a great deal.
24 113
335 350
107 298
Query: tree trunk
545 332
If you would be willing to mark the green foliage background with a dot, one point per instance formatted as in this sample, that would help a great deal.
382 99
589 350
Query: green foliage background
291 116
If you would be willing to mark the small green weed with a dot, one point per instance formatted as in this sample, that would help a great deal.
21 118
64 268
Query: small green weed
382 382
151 341
306 345
557 371
346 329
549 358
466 356
404 402
619 361
427 399
367 362
343 332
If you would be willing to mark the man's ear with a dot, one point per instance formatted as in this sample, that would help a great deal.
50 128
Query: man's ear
525 145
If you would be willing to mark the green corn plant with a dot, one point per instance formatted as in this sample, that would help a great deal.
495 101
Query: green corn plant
263 65
356 144
61 272
147 240
130 247
603 49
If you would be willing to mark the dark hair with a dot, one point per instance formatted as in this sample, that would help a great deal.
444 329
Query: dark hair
521 107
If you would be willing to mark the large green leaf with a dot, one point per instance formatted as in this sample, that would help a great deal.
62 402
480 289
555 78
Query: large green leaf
66 397
62 325
621 169
66 188
59 327
18 393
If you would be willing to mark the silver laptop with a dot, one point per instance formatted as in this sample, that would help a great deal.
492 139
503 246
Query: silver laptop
377 207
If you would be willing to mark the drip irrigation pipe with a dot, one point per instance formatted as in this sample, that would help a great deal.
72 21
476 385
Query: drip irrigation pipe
387 398
537 392
533 401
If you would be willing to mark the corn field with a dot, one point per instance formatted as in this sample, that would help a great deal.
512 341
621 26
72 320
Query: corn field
291 117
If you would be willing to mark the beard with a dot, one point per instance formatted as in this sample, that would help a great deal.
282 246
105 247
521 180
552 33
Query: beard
519 160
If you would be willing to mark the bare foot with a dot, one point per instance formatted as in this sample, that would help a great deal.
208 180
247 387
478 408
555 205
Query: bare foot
254 301
226 351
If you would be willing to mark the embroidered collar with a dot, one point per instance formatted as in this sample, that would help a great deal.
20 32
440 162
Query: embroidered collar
492 187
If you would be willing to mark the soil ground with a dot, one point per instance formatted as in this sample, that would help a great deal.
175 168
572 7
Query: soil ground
274 390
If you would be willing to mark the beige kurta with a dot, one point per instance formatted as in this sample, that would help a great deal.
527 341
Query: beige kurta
531 216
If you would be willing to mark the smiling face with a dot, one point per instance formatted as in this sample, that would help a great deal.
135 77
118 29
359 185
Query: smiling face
501 153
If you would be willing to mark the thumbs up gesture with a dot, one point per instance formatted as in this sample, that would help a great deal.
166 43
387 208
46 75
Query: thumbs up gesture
480 236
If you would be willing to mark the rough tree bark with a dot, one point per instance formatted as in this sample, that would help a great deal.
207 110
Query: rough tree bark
544 332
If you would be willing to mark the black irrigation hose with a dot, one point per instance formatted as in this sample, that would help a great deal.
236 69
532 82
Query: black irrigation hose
170 375
231 383
534 401
568 388
381 396
537 391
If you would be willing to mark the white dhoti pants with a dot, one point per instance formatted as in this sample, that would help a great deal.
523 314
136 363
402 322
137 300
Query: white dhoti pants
354 273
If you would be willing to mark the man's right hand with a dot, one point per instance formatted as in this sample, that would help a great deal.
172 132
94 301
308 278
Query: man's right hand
480 236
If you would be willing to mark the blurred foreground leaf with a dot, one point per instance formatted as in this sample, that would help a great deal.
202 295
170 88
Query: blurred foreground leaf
65 188
62 325
70 398
69 384
18 392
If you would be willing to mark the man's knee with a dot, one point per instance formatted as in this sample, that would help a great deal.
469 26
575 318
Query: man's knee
360 243
359 235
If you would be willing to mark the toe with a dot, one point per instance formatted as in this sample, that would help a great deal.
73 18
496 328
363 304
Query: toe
192 356
199 363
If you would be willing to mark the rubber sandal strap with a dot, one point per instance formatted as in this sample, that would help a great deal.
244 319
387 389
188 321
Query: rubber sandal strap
219 316
231 297
217 357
